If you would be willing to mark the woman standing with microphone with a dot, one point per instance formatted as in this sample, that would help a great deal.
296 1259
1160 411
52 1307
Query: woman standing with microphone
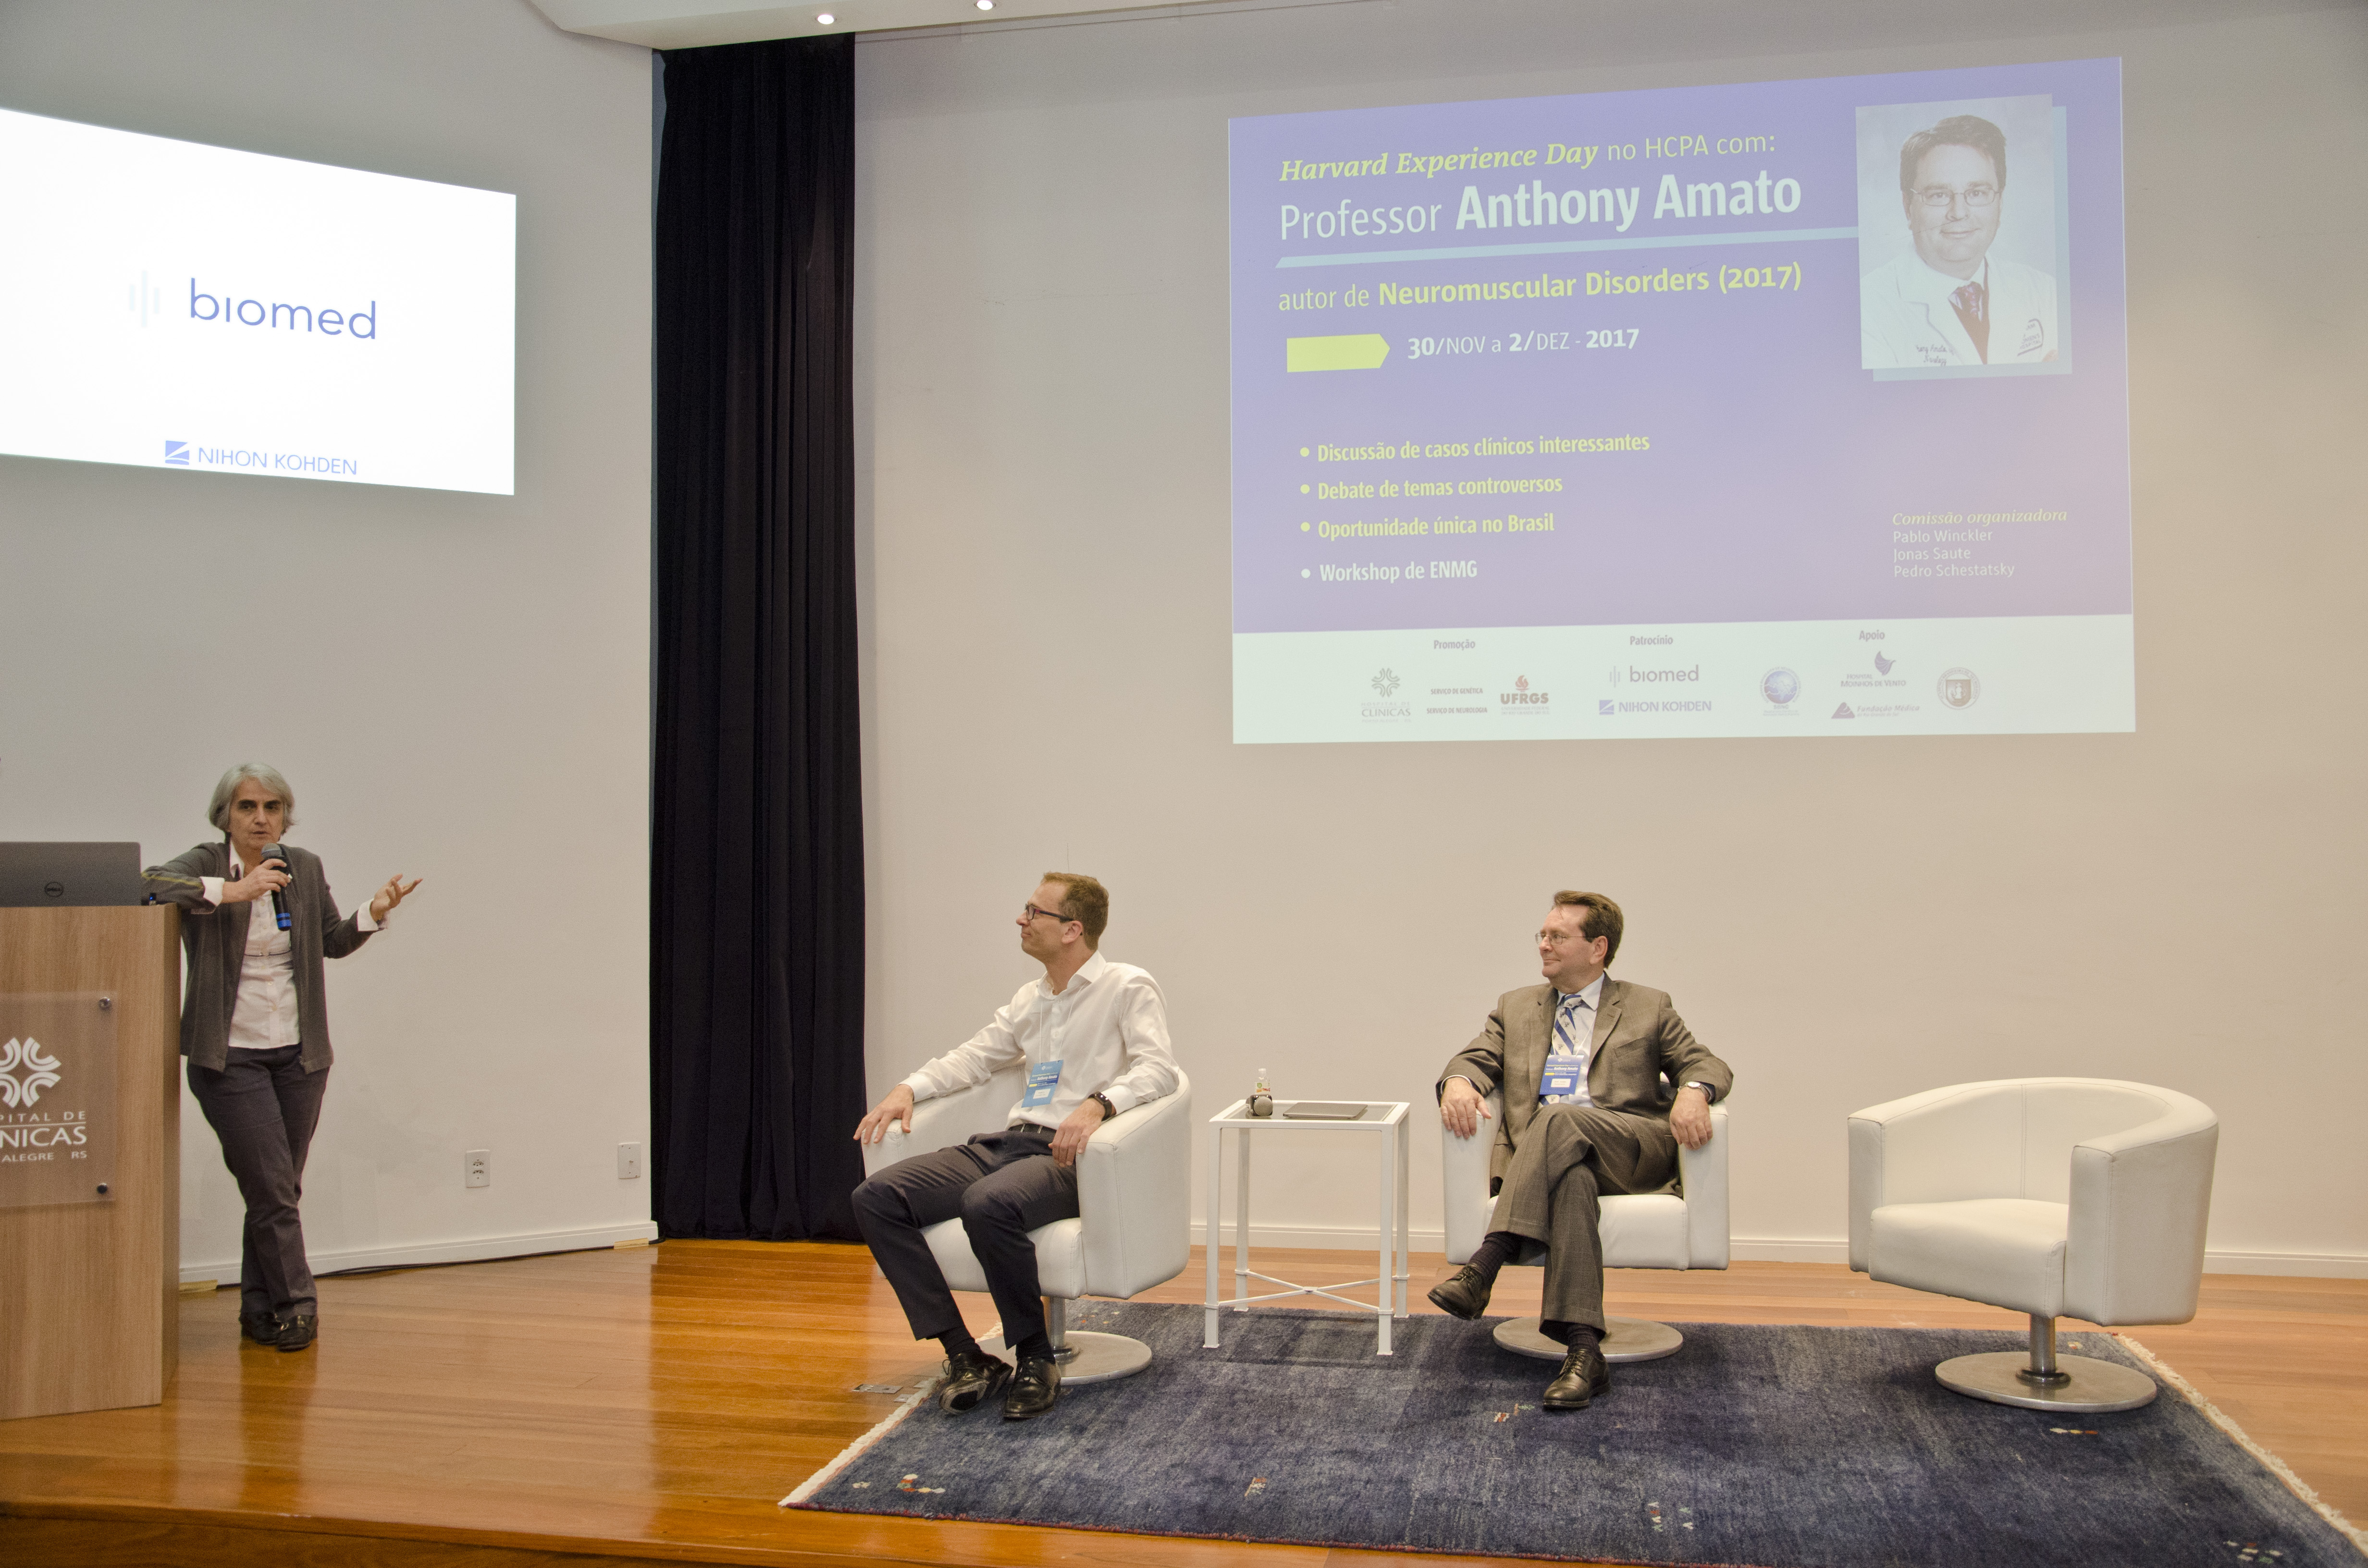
257 922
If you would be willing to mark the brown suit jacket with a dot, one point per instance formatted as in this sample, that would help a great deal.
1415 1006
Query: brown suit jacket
1641 1052
214 943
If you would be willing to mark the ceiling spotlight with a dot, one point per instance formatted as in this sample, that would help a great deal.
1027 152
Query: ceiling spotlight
826 19
987 5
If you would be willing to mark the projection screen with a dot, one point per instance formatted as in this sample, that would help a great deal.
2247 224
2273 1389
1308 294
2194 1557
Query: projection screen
174 305
1767 409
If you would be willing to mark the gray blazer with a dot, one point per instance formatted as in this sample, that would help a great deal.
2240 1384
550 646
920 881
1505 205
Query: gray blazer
1642 1050
214 943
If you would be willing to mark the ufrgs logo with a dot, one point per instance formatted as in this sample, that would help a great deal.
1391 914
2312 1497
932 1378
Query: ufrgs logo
25 1070
1521 699
177 454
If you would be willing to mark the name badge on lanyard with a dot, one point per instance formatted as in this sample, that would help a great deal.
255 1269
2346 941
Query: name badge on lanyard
1043 1079
1563 1077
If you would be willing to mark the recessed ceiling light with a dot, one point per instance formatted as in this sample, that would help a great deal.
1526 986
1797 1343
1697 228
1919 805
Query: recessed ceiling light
987 5
826 19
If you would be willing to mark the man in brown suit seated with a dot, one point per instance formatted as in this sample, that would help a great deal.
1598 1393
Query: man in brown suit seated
1601 1082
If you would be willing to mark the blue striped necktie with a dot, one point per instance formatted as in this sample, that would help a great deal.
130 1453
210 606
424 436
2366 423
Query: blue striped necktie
1570 1039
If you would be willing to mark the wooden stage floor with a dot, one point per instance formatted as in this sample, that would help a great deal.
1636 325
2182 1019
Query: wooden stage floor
651 1405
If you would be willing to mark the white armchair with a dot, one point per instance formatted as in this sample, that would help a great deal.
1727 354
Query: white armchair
1654 1231
2080 1197
1133 1228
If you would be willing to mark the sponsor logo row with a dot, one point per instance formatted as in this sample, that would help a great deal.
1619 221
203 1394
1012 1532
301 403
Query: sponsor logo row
1875 693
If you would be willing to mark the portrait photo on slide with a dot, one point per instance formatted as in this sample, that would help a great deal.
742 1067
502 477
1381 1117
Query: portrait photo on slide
1961 256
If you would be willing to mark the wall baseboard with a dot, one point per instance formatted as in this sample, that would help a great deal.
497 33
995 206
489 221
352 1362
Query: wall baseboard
1795 1249
2308 1265
1331 1238
476 1249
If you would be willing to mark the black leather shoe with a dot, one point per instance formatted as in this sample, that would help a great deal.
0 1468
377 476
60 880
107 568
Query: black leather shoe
297 1331
970 1378
1465 1294
261 1328
1033 1389
1583 1377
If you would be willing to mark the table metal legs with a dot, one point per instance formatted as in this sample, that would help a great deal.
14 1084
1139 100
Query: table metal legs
1242 1222
1213 1231
1395 1250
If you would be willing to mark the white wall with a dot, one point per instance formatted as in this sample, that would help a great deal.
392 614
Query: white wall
1041 406
457 685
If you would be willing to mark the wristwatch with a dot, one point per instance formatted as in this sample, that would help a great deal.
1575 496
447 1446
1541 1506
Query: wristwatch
1709 1094
1108 1110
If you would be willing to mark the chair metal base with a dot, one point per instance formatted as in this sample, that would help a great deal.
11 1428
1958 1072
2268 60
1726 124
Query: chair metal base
2089 1385
1629 1339
1087 1358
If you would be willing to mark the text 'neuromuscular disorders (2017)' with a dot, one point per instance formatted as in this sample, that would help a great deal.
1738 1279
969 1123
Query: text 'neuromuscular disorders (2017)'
1816 390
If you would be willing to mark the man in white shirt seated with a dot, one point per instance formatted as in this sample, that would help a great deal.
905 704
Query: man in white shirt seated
1948 301
1094 1036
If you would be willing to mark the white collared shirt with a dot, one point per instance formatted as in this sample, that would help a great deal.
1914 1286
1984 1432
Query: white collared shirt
1590 999
1907 315
1941 287
265 1015
1108 1028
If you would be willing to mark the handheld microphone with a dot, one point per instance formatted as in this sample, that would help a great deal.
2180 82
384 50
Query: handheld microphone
278 895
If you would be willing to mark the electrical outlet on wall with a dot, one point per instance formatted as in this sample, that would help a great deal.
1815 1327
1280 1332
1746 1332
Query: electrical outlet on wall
629 1162
477 1168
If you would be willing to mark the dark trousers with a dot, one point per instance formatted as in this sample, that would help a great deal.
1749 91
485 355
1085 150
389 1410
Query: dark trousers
1568 1156
264 1106
1002 1185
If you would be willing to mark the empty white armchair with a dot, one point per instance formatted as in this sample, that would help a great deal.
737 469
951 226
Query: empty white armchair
2080 1197
1133 1228
1647 1231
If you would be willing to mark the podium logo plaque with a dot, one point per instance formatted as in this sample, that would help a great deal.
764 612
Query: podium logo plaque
57 1098
40 1072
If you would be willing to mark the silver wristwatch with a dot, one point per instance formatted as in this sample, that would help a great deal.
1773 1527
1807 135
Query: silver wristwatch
1709 1094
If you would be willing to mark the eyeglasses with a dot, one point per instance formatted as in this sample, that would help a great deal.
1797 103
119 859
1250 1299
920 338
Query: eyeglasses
1030 912
1938 197
1560 940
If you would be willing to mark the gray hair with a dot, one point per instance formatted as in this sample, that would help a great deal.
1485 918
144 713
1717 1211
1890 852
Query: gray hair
263 773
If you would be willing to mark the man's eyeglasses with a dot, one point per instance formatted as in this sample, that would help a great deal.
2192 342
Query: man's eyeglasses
1030 912
1937 198
1562 940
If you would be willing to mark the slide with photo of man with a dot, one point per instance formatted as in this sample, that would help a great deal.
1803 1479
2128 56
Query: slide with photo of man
1763 408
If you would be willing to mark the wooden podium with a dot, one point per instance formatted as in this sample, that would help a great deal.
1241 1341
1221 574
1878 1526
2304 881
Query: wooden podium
89 1289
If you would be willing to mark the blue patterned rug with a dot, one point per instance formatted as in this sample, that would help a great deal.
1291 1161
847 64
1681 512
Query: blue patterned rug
1780 1447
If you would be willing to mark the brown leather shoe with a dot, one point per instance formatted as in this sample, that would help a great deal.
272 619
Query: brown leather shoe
1585 1376
1466 1293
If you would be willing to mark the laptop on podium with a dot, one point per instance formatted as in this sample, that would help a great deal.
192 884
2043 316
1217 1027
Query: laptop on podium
36 875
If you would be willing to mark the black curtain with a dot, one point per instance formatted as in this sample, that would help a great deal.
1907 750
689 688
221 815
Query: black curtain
757 835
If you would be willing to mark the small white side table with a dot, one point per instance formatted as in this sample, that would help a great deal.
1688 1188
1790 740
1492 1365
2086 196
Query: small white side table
1384 1121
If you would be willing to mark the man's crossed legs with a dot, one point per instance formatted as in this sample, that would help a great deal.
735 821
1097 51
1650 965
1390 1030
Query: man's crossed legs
1001 1186
1569 1157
